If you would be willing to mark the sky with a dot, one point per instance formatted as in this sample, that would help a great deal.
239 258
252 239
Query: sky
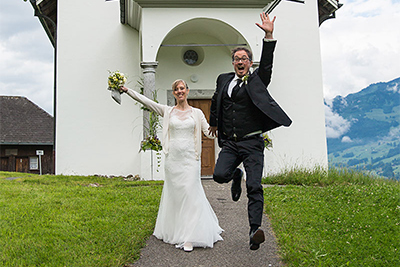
359 47
26 55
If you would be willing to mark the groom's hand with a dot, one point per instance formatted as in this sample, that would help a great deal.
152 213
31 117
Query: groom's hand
267 25
212 130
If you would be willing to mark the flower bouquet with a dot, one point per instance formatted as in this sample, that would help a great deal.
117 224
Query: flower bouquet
151 143
116 79
267 141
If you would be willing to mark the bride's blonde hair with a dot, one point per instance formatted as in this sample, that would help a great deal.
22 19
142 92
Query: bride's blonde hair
176 82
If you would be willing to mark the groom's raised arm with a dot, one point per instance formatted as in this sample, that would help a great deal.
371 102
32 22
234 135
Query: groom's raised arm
269 43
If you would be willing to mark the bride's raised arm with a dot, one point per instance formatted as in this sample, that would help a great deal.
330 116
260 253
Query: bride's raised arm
152 105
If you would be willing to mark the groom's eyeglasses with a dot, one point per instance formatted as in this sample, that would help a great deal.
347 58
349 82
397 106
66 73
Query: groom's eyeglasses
238 59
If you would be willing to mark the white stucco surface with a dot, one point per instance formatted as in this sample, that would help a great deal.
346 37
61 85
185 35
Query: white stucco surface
97 136
297 87
94 135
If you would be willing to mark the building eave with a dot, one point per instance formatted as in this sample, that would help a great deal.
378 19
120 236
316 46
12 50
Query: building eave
327 9
131 11
202 3
46 11
25 144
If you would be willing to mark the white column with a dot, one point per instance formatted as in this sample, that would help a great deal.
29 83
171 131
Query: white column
149 86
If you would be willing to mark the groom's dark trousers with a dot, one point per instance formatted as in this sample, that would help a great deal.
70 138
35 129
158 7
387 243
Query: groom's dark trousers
240 118
251 153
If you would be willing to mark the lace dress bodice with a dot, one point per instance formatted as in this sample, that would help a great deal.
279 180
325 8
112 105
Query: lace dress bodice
181 132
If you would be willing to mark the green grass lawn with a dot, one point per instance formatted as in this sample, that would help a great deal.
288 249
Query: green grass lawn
74 221
340 218
337 219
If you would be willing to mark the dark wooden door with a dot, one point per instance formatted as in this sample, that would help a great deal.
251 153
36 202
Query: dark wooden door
208 145
21 164
4 164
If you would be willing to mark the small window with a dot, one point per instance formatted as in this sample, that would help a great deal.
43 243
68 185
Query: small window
33 163
190 57
11 152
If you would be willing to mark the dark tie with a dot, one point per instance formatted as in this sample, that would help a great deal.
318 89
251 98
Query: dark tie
236 88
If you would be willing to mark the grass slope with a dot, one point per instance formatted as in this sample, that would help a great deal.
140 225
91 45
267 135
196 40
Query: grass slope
74 221
339 218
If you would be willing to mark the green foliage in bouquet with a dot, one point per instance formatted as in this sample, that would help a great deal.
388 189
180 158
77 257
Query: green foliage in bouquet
151 142
267 141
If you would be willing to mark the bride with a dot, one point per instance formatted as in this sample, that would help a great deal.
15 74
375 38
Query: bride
185 217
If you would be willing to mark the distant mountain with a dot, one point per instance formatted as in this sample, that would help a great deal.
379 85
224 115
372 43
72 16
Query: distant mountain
371 142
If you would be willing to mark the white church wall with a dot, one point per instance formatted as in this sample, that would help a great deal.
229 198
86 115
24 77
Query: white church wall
171 66
94 134
296 82
154 32
297 87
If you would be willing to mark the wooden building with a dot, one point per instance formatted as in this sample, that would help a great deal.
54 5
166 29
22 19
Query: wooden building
26 136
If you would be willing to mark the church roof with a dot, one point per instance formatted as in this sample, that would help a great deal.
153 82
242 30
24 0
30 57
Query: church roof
24 123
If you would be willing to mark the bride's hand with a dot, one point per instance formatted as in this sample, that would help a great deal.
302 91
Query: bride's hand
123 89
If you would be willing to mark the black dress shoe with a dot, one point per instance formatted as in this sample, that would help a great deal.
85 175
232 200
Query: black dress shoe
236 188
256 238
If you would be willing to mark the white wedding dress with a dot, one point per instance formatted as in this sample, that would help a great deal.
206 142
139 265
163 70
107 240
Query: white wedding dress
184 215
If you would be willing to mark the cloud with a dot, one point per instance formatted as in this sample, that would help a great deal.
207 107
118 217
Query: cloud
18 15
395 88
393 134
346 139
26 65
360 46
335 125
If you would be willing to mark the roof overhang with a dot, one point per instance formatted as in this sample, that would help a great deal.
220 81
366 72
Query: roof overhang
46 11
203 3
327 9
131 11
26 144
271 6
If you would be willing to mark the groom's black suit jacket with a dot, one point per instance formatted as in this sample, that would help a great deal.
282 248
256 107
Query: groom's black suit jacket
272 114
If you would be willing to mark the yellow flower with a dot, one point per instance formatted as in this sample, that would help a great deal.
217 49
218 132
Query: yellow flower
116 79
245 78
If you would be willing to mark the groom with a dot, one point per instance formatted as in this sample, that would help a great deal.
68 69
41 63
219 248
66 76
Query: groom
242 109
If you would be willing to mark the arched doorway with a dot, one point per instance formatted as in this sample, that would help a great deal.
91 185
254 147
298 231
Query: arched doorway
197 51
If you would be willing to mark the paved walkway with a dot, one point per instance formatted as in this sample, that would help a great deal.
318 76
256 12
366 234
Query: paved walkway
233 251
